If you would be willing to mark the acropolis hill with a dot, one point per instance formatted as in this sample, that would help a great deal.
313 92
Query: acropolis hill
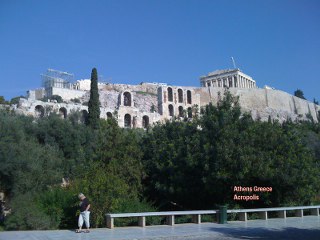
139 106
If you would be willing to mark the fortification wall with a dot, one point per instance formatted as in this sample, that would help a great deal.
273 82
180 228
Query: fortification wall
262 103
66 93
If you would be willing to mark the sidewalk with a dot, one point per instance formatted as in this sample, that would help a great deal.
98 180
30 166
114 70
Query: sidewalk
304 228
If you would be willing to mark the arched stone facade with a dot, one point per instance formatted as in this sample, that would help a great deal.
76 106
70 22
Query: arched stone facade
183 97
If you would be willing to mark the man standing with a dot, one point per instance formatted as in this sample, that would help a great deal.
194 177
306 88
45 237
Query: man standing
84 213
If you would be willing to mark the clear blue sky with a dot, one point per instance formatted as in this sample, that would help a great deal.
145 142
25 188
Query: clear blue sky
275 42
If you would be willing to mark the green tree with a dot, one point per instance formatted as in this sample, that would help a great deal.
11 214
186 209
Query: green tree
57 98
75 100
94 103
73 140
15 100
27 215
298 93
25 165
2 100
113 180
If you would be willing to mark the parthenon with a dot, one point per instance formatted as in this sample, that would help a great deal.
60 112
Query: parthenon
230 78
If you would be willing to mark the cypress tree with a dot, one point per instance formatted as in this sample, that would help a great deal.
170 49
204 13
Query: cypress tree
94 104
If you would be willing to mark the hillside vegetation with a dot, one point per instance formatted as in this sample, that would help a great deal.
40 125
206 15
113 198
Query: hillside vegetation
179 165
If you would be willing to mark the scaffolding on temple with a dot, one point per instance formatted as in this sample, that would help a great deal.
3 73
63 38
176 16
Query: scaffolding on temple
58 79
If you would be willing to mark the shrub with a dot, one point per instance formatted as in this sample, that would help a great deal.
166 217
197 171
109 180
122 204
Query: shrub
26 215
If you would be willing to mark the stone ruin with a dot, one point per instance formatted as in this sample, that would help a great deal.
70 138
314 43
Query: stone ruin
140 106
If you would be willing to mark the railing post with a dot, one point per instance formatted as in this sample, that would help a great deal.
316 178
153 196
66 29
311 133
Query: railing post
243 216
142 221
196 218
170 220
299 213
110 222
315 211
282 214
264 215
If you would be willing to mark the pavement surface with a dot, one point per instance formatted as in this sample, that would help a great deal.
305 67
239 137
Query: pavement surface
291 228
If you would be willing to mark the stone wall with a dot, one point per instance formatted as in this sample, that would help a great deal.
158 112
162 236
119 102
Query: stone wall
168 102
66 93
263 103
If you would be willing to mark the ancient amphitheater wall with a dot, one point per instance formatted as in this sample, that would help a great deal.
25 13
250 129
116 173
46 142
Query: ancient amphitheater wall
177 101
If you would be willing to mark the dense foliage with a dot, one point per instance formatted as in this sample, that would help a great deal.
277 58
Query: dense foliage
183 164
197 164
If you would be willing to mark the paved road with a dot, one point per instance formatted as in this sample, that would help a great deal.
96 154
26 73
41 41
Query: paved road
293 228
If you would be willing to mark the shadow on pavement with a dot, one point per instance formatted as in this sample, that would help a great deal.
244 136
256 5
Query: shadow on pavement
274 234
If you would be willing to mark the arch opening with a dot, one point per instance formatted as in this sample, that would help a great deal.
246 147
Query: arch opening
180 96
171 111
180 111
39 110
189 100
145 121
63 112
127 99
170 94
189 112
84 116
127 121
109 115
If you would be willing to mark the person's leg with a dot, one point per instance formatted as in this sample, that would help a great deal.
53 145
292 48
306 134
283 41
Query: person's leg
80 221
87 219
